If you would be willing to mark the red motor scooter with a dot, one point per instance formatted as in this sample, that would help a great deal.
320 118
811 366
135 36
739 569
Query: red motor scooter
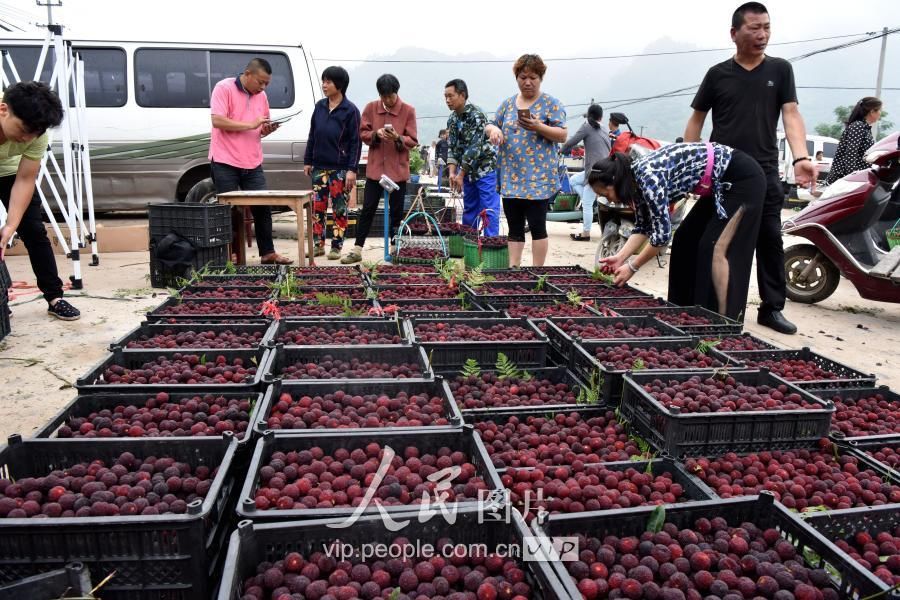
848 228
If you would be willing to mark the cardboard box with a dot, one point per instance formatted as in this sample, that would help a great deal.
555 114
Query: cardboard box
122 238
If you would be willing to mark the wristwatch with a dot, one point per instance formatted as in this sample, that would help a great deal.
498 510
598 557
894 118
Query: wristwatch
796 160
630 262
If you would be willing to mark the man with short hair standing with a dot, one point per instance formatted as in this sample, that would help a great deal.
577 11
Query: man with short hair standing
471 157
240 119
746 95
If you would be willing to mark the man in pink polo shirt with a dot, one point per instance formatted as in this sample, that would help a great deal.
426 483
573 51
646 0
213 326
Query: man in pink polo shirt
240 119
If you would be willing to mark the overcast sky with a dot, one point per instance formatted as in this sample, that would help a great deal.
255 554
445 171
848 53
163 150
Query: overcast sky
357 29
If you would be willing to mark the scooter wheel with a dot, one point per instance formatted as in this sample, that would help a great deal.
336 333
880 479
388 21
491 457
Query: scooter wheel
819 284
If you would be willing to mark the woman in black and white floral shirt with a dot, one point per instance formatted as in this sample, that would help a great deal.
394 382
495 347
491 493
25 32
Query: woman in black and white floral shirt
856 139
712 252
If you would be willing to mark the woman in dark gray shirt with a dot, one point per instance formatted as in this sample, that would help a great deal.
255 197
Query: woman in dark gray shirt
596 146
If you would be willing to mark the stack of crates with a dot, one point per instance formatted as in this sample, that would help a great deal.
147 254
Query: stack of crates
206 226
5 284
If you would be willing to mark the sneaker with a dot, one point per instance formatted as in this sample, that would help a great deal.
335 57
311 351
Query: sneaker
64 311
334 254
351 257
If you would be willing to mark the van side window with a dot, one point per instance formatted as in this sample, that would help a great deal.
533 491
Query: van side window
104 76
810 148
828 149
280 92
25 60
167 78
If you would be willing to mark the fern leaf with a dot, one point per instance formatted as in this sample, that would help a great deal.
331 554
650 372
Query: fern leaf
471 368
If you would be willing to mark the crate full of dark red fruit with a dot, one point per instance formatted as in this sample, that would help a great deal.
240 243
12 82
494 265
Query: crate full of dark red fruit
555 308
507 387
334 310
439 308
564 332
871 536
734 342
327 474
740 548
599 290
558 270
157 415
882 451
150 510
142 370
348 332
213 310
388 363
291 407
191 336
717 411
693 320
607 361
449 343
459 559
388 292
501 293
805 368
236 281
862 412
204 292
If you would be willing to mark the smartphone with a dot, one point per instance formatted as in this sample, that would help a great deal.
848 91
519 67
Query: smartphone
388 126
524 113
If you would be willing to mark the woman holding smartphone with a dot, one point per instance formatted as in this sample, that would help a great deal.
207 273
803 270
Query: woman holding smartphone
527 128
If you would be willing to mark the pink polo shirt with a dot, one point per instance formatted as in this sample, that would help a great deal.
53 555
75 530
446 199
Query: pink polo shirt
241 149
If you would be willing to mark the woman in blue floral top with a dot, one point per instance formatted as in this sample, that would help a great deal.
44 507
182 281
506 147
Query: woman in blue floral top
712 252
527 128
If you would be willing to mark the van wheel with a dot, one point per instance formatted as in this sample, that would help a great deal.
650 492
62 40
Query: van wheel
204 191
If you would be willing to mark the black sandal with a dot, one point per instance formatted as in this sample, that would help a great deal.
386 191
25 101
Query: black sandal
64 311
579 237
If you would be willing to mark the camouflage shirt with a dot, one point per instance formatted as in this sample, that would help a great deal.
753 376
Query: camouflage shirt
470 148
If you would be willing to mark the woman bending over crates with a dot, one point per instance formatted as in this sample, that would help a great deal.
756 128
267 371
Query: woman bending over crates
712 251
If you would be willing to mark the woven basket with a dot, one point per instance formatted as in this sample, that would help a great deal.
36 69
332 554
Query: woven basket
493 258
434 242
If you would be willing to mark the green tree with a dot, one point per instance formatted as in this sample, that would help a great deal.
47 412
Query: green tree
841 113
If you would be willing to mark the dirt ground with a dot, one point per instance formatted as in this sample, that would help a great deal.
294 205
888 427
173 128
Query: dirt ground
43 357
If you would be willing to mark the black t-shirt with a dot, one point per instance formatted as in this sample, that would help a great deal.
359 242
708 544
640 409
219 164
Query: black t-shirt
441 149
746 105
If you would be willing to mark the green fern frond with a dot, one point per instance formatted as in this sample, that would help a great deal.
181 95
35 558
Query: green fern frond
573 297
471 368
706 345
601 276
591 394
323 299
506 368
541 282
638 365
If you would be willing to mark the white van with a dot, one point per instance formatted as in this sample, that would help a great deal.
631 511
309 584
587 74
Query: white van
814 143
148 113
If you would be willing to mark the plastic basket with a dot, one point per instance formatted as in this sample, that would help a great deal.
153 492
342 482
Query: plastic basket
558 270
225 268
847 377
893 398
205 225
284 356
260 293
300 310
864 447
719 324
136 358
527 354
5 323
253 306
564 343
72 581
489 258
232 281
313 387
434 242
440 308
5 277
493 293
381 326
153 556
529 309
456 246
254 543
149 330
162 276
556 375
733 338
412 291
762 511
330 440
85 404
598 290
893 235
711 434
586 366
564 202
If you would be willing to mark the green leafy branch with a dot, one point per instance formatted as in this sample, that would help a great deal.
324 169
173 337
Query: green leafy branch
638 365
592 393
323 299
601 276
541 282
471 368
508 369
706 345
573 297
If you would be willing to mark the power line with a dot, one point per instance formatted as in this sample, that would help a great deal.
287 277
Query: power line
575 58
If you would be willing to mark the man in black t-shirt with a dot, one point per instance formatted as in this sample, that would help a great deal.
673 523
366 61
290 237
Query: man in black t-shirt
442 147
746 95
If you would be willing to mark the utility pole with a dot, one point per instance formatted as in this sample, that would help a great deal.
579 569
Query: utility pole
880 79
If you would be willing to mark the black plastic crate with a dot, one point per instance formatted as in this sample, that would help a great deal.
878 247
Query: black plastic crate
162 276
846 523
483 294
555 375
642 302
205 225
564 343
5 277
153 556
74 580
854 394
557 270
721 340
864 447
847 377
450 308
361 309
762 511
309 293
330 440
232 281
719 324
500 275
711 434
84 404
226 268
136 358
599 290
254 543
311 387
586 366
589 310
258 293
160 311
153 329
5 322
527 354
412 291
383 326
284 356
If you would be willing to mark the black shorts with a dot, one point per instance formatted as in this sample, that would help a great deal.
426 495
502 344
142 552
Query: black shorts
520 210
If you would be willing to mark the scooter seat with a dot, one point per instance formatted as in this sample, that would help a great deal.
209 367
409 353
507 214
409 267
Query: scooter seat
888 266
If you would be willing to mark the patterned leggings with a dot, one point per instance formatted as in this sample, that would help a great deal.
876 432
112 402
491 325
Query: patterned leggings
328 184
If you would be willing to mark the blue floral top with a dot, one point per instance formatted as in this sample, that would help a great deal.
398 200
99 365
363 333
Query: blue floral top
528 162
669 173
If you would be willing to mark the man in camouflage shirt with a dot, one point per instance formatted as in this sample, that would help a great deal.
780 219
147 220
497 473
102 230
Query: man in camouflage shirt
472 158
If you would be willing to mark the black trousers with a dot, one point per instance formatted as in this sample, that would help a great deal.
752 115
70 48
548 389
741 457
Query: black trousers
770 247
371 197
712 258
231 179
34 236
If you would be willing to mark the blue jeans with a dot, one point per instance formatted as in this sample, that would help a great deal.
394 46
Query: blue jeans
231 179
481 194
588 197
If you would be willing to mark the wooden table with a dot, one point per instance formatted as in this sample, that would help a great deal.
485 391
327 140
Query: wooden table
296 200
